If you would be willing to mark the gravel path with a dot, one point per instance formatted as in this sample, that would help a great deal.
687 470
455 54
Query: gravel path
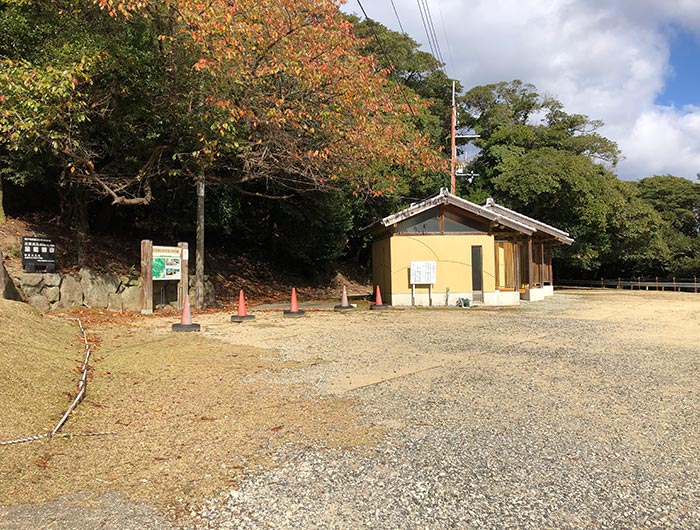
577 413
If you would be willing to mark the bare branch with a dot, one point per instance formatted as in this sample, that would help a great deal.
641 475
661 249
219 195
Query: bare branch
260 195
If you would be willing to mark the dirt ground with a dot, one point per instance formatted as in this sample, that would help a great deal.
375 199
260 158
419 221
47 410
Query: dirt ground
190 414
193 414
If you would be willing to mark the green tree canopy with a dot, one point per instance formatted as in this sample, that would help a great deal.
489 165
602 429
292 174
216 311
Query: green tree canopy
677 200
555 167
417 70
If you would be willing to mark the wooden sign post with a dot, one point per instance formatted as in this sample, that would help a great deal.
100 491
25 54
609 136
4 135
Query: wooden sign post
163 263
146 277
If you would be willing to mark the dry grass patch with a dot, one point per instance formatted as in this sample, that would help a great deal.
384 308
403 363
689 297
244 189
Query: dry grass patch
190 421
38 369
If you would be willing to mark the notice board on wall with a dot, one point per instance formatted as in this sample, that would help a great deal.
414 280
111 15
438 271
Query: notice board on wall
423 272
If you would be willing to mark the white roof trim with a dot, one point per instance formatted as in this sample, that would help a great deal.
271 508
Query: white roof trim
444 197
491 211
534 223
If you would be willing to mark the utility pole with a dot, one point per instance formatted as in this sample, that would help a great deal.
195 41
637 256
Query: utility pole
199 263
453 141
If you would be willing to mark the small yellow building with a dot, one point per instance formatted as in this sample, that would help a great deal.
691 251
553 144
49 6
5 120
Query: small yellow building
446 248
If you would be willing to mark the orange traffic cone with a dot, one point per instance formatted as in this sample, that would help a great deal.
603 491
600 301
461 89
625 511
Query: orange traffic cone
294 310
344 305
186 318
242 314
378 301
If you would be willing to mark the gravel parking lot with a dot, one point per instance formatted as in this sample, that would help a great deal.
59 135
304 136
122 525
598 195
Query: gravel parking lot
582 411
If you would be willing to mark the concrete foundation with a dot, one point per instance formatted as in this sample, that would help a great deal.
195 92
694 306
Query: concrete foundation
490 298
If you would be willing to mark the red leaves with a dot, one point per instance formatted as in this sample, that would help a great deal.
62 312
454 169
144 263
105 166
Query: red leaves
287 90
201 64
43 460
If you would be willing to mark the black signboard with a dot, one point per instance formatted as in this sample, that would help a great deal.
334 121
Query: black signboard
38 253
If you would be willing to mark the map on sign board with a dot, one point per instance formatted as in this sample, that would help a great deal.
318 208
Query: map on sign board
423 272
167 263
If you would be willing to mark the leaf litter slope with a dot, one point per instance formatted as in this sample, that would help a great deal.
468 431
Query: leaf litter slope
191 417
37 369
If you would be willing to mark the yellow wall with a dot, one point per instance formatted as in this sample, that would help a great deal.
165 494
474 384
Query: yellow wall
452 254
381 264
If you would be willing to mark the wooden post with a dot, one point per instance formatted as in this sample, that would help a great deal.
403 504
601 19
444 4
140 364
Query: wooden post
619 282
530 271
657 283
542 264
639 283
516 265
602 283
497 260
146 276
695 284
674 283
184 285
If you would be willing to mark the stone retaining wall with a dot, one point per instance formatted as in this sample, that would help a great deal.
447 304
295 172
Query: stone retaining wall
8 291
47 291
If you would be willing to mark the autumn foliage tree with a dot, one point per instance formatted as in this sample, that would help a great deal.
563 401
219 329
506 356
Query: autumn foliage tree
250 90
270 99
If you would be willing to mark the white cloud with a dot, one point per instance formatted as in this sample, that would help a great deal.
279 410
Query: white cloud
662 132
609 60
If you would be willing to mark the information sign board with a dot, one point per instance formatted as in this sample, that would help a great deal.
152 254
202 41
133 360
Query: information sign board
423 272
167 263
38 252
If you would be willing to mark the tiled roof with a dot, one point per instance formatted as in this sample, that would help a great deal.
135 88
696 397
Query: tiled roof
490 211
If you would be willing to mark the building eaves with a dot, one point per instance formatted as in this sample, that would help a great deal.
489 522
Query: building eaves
536 225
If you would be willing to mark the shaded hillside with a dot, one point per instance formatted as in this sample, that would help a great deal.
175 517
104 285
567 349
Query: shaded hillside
119 254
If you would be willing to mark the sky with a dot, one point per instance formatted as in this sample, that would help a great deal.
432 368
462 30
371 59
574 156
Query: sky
634 64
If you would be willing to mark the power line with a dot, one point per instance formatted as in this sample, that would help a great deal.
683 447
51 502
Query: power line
386 56
447 41
397 17
425 27
432 30
429 28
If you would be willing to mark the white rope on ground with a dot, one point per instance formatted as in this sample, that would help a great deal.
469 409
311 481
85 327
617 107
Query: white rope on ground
82 384
82 387
61 435
27 439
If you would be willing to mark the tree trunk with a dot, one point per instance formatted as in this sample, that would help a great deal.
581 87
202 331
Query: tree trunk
74 214
3 219
199 263
81 223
